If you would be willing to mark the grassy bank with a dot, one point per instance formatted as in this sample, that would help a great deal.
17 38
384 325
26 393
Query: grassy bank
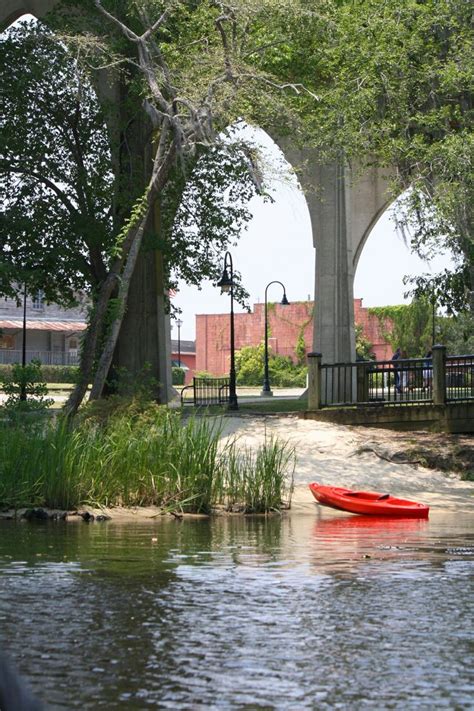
141 457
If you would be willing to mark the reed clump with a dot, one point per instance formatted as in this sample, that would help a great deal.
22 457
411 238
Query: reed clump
140 457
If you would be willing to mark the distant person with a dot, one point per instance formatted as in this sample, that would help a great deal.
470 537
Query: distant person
396 366
403 383
428 371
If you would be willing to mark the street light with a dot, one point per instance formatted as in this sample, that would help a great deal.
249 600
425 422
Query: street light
266 390
23 349
179 323
226 284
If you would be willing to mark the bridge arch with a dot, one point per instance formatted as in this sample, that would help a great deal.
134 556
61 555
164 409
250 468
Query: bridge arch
344 204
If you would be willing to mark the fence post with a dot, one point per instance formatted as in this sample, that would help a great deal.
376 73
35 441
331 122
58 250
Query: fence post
363 381
314 381
439 375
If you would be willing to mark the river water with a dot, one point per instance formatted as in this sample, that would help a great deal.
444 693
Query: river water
321 611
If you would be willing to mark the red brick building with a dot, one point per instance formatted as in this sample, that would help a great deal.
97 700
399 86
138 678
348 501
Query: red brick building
286 326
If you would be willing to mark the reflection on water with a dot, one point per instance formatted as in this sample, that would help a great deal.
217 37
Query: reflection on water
313 611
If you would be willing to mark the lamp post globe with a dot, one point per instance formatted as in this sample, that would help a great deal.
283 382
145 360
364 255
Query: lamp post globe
266 389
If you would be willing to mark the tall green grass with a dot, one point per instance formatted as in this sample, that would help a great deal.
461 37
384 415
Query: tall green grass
141 458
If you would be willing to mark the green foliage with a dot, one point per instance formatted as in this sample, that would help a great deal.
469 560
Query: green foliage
204 212
55 169
249 365
49 373
363 345
25 389
457 333
178 376
407 326
395 87
140 385
140 455
300 348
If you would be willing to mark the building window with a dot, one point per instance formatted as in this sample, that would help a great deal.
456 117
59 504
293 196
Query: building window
7 341
38 300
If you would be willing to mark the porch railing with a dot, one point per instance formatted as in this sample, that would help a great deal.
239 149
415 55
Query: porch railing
407 381
8 356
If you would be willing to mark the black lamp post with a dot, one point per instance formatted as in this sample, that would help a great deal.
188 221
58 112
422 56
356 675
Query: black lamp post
179 323
23 349
266 390
226 284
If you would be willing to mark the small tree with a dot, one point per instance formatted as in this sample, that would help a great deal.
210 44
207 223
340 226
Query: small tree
25 389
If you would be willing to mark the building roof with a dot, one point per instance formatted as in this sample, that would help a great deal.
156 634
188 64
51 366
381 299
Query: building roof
184 346
43 325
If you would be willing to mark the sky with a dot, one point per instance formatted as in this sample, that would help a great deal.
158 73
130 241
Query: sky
278 246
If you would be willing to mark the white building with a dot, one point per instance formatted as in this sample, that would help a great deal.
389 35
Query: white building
52 334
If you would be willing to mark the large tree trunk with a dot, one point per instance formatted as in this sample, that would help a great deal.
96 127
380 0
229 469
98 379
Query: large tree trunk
159 179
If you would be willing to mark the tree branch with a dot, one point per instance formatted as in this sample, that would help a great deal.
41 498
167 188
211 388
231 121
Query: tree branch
46 181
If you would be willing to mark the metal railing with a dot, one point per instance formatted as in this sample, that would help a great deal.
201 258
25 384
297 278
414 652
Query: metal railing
9 356
459 378
206 391
338 384
404 381
401 382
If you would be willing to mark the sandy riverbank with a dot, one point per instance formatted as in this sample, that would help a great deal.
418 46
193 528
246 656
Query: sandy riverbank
355 457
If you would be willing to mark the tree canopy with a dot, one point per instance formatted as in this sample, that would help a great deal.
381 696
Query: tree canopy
398 91
55 169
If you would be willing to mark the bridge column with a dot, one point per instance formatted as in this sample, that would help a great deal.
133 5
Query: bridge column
334 276
344 204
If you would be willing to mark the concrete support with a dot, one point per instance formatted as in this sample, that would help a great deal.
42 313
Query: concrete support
344 204
11 10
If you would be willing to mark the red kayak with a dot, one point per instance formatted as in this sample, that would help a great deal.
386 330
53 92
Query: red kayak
367 502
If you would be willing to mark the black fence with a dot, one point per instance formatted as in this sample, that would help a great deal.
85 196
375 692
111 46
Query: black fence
459 378
401 382
206 391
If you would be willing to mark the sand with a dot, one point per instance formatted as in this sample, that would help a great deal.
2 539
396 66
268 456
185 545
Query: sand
328 453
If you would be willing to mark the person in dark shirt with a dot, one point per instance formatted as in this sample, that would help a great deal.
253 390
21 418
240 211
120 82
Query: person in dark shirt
396 356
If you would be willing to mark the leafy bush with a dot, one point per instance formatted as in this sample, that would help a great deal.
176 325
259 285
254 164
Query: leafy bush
49 373
177 376
249 364
25 390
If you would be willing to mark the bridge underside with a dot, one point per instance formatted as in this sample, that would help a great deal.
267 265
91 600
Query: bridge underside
343 209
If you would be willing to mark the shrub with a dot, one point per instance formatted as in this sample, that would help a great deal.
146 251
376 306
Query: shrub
178 376
49 373
283 372
25 390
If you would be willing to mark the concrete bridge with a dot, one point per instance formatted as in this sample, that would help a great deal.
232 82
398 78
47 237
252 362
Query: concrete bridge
344 206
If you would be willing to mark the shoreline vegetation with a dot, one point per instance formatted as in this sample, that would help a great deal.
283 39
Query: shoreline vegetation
139 455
